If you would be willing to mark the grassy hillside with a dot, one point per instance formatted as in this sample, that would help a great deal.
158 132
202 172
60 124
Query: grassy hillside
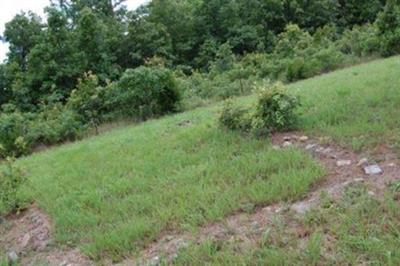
114 193
110 195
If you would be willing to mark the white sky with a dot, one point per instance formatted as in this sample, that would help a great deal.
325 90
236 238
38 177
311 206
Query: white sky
9 8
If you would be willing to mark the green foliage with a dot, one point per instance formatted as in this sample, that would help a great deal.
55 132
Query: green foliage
143 93
87 100
11 180
388 23
72 62
21 132
360 41
235 118
274 112
13 130
55 124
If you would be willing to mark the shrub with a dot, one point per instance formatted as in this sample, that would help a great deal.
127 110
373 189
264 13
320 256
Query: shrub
274 112
55 124
13 129
144 92
360 41
11 179
20 132
235 118
87 100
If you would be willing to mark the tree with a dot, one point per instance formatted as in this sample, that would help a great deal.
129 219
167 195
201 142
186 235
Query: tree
388 23
146 39
22 33
73 7
358 12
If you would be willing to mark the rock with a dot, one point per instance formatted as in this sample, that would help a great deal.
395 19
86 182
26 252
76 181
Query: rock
304 138
320 150
362 162
392 165
25 241
301 207
311 146
155 261
359 180
342 163
255 226
287 144
371 193
12 258
287 138
373 170
181 244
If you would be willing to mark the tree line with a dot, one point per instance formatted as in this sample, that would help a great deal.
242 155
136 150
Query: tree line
89 60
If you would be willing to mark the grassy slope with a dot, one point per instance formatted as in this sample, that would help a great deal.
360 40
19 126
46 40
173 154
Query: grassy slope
112 194
358 106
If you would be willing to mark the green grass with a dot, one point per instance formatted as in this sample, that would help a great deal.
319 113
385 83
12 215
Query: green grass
112 194
357 230
358 106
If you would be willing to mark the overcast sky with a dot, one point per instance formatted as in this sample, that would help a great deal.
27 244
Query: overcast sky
11 7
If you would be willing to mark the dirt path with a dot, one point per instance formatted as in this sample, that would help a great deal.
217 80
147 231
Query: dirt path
29 233
26 237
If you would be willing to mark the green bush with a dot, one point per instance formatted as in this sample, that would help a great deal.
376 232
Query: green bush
87 100
20 132
11 179
13 130
235 117
274 112
360 41
55 124
143 93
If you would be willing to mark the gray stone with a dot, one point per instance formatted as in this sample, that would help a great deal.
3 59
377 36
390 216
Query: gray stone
12 257
287 138
155 261
373 170
287 144
301 207
311 146
303 138
362 162
25 241
371 193
359 180
342 163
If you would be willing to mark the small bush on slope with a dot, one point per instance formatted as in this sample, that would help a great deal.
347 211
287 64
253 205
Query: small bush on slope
11 179
274 112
